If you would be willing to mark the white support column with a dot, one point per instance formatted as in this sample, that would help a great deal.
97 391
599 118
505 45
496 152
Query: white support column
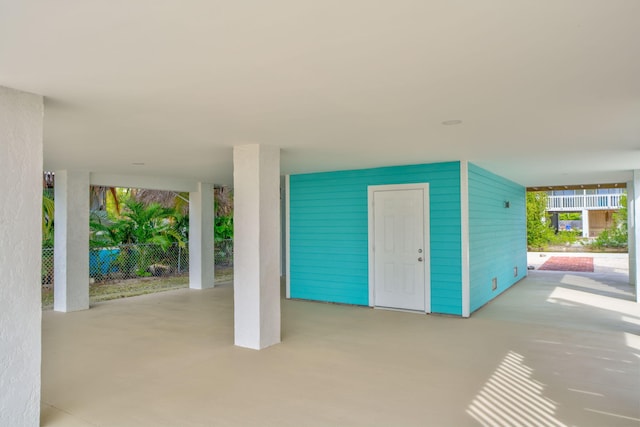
71 241
256 178
631 246
633 219
585 223
20 257
201 247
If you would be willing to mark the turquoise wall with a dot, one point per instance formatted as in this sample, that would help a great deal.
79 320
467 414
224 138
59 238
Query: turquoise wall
329 233
497 235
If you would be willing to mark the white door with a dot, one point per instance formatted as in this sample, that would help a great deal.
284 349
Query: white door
399 247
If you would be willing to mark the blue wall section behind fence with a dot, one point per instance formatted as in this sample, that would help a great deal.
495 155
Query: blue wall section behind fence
497 235
102 261
329 233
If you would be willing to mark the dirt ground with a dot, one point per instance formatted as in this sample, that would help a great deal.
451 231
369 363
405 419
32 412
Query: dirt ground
114 289
581 249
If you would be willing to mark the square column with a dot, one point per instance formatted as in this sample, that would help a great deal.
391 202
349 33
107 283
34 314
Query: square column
71 241
585 223
201 246
20 256
256 178
633 219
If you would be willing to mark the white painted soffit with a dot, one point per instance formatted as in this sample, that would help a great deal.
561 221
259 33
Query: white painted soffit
547 92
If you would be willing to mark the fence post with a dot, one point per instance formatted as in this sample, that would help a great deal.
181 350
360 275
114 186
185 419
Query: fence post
179 257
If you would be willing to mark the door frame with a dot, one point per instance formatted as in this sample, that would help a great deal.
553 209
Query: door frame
371 190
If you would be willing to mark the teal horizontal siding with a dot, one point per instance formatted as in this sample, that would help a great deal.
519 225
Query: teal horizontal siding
329 232
497 235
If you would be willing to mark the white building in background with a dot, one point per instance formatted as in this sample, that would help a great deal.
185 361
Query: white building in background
596 207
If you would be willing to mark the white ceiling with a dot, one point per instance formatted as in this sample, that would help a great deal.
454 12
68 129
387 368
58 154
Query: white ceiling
548 91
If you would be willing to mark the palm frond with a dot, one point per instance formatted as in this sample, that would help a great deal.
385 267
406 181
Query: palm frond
48 208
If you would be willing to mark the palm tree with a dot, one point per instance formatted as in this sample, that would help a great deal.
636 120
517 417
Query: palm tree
223 199
180 201
48 206
144 234
139 224
98 198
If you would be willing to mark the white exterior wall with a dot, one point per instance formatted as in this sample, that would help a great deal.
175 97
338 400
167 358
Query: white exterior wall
71 241
201 247
256 284
20 257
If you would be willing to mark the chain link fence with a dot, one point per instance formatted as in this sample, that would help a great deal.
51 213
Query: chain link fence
47 267
138 260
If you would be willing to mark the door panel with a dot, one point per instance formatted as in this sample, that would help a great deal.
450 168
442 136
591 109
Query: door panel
399 249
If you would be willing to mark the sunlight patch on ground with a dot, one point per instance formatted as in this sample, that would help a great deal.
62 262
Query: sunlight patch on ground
590 393
634 320
628 308
512 397
632 341
590 284
624 417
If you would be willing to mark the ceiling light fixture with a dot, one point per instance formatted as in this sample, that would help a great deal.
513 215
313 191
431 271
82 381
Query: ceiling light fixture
451 122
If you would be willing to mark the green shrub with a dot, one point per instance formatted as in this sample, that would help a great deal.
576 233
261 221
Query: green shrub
223 227
564 237
569 216
615 236
539 232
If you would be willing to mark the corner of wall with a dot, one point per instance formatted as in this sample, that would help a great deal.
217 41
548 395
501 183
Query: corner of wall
287 233
464 229
497 235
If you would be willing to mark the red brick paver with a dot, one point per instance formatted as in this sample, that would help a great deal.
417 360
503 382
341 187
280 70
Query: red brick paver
566 263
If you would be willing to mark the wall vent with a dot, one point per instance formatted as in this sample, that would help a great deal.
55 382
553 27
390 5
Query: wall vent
515 271
494 283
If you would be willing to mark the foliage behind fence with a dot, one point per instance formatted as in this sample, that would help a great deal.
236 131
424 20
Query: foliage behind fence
138 260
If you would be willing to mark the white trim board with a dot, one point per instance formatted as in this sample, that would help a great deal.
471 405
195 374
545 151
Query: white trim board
150 182
464 231
371 189
287 252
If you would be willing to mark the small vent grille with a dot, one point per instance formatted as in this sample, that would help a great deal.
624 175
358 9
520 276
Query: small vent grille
494 283
515 271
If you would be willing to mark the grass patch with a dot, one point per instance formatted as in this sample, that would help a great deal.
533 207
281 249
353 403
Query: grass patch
115 289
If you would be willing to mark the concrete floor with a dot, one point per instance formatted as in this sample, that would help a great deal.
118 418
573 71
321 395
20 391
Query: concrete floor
556 349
